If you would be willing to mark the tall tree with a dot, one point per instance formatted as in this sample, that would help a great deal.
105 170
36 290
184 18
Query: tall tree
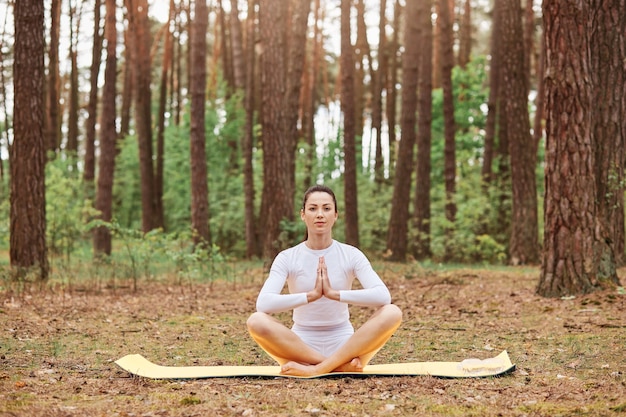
608 124
446 42
252 247
28 252
310 96
127 80
399 217
377 95
465 35
296 47
494 94
577 256
277 201
108 135
139 27
160 141
524 238
424 136
53 119
197 85
349 127
236 42
71 146
392 81
89 170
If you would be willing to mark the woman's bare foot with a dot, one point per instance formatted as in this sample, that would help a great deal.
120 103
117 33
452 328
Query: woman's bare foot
298 369
354 365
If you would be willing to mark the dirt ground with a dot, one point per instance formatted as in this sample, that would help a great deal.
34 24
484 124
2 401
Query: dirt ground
58 345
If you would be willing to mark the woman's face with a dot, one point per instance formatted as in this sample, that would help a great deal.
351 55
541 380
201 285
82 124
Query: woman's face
319 213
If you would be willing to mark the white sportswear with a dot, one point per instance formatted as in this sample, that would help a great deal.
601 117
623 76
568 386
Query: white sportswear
298 266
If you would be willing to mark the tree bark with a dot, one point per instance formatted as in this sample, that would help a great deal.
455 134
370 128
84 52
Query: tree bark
424 135
71 146
89 171
139 26
239 69
524 238
392 80
310 99
465 35
349 128
577 257
277 202
447 62
378 77
160 141
28 251
493 104
252 246
398 221
108 135
608 72
53 120
197 86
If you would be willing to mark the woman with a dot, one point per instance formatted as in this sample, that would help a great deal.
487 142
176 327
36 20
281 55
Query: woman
319 273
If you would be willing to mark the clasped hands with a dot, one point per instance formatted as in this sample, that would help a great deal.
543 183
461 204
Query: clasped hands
322 285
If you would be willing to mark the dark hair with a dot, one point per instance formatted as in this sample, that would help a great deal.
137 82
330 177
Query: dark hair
319 188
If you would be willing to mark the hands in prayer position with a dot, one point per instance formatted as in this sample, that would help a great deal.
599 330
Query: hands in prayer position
322 285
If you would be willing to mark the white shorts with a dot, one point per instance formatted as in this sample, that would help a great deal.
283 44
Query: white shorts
324 339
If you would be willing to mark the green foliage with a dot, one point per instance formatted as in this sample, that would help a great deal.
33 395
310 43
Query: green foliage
157 253
127 186
477 233
67 211
224 122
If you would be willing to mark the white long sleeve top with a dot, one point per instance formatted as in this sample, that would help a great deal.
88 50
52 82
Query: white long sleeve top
298 267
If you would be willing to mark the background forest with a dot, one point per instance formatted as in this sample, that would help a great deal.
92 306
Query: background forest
186 133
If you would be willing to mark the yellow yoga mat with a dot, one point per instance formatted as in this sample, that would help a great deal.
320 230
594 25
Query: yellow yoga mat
468 368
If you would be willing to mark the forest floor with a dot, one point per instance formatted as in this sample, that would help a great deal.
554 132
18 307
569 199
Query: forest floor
58 347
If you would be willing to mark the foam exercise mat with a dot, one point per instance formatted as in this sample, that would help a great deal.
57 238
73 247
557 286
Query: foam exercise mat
468 368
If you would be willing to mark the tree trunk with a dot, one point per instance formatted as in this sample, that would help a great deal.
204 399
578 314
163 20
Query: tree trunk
252 247
310 99
398 221
139 26
424 136
392 80
296 44
524 238
239 69
127 90
108 135
349 128
378 77
277 203
28 252
53 120
447 62
160 151
493 104
576 256
465 35
608 72
71 147
197 86
89 171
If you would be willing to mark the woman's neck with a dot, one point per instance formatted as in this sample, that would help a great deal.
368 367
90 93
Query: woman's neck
319 242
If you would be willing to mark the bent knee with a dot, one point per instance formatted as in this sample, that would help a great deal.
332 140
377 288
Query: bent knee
256 323
393 313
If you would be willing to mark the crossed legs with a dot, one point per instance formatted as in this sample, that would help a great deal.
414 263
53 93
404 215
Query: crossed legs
297 358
